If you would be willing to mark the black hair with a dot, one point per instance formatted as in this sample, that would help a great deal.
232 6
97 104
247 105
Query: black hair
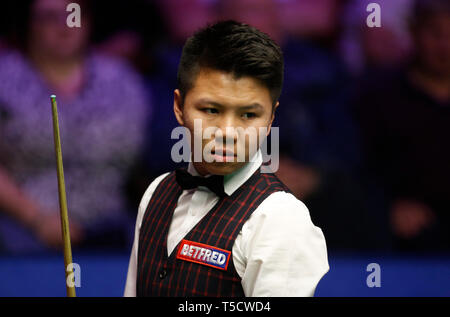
235 48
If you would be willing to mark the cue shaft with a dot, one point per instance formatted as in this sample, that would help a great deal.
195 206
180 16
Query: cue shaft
62 199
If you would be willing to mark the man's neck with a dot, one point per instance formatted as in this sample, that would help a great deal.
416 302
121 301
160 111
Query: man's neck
200 169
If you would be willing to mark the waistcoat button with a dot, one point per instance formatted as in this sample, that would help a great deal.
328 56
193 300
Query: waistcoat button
162 274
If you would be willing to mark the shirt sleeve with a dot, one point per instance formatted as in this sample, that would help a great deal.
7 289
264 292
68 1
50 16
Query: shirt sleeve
279 251
130 285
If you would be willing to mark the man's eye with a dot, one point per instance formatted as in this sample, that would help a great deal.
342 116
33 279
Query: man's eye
249 115
210 110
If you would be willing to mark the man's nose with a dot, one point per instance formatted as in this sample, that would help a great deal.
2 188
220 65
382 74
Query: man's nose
227 135
227 131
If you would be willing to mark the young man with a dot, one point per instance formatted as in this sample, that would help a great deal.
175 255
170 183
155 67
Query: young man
223 228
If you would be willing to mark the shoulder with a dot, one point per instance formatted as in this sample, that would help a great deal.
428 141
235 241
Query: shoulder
281 214
280 250
150 190
281 222
273 183
282 204
146 198
279 200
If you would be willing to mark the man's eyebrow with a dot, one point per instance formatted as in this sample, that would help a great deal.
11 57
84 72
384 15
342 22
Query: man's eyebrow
255 106
204 101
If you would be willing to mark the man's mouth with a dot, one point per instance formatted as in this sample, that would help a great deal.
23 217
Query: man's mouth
223 156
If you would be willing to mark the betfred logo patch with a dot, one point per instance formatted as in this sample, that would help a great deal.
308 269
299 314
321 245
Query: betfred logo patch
203 254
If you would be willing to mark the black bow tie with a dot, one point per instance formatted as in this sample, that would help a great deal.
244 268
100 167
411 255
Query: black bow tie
188 181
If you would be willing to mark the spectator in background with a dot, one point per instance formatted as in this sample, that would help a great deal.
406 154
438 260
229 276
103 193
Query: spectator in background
102 110
374 49
405 118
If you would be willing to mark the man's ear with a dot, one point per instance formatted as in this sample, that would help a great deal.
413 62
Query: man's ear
178 106
273 117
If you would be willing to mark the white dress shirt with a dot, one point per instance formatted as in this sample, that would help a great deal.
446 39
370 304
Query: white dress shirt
278 252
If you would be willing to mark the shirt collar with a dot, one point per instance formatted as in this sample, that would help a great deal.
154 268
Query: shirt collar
235 180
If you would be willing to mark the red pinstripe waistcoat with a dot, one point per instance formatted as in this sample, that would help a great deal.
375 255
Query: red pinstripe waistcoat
162 275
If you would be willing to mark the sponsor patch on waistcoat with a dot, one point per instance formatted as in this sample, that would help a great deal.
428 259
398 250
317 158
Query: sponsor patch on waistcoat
203 254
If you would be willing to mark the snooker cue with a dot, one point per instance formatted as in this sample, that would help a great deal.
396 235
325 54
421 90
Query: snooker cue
62 199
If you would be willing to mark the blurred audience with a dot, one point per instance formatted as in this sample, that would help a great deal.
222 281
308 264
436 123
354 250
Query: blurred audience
128 30
380 179
374 49
405 119
102 111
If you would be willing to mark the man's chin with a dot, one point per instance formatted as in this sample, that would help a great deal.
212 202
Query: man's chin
222 168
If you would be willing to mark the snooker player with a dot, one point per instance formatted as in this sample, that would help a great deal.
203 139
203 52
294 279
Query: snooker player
224 228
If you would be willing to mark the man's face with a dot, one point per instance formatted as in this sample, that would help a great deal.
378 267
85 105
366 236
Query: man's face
220 101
